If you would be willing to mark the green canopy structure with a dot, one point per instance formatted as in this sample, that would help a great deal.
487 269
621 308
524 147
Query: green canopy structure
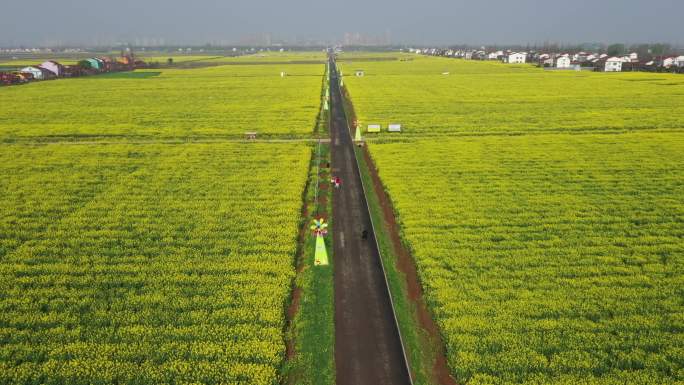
320 229
321 256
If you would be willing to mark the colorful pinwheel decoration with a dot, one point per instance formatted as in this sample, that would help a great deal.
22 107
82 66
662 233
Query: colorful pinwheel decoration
319 227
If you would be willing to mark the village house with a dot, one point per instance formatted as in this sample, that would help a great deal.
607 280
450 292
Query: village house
53 67
495 55
563 62
667 62
679 61
36 72
516 57
613 64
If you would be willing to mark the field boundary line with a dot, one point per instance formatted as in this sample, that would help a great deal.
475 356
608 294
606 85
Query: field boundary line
170 141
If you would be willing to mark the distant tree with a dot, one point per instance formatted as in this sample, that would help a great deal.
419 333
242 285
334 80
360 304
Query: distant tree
616 49
169 61
660 49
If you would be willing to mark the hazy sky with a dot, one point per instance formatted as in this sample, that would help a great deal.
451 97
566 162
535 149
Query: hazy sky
409 21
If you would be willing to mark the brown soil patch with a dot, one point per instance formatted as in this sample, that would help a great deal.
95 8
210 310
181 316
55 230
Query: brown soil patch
440 373
291 312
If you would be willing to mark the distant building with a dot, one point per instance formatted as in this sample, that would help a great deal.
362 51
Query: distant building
95 63
53 67
613 64
516 57
36 72
679 61
563 62
668 62
495 55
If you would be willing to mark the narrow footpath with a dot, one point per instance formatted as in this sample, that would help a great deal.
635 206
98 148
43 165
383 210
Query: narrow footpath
367 344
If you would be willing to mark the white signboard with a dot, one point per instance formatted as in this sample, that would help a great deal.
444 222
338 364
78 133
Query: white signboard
394 128
373 128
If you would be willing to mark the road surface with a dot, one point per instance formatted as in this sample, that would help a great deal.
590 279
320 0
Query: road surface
367 345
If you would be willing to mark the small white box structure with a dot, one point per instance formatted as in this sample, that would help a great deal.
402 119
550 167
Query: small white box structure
394 128
283 74
374 128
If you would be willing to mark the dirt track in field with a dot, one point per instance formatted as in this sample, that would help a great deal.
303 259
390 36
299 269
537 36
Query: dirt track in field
367 344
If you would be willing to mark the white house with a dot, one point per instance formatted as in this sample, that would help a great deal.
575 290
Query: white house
668 62
495 55
36 72
563 62
679 61
634 56
516 58
613 64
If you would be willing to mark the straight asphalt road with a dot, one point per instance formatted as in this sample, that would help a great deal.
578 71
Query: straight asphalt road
367 344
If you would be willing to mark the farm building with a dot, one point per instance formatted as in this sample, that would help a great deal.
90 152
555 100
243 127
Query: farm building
563 62
613 64
516 57
546 60
53 67
495 55
95 63
679 61
668 62
36 72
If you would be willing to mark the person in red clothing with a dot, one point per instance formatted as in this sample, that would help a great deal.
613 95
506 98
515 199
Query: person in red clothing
338 182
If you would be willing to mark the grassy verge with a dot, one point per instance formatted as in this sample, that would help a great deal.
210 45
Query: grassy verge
419 349
311 330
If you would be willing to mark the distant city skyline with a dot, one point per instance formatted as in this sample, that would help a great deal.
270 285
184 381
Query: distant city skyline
428 22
